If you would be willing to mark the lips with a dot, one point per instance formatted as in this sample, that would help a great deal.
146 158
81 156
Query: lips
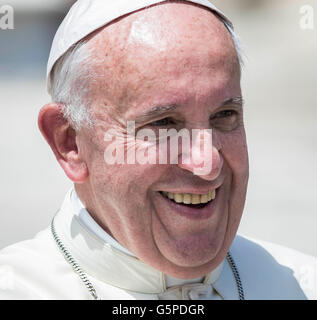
190 198
192 206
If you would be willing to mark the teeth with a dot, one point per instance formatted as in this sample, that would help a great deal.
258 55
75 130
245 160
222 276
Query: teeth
178 197
212 195
189 198
204 198
195 198
170 195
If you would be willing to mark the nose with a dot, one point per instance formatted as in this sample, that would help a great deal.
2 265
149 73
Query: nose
203 157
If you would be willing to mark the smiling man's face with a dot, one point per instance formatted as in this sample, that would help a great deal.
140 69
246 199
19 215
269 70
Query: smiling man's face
176 55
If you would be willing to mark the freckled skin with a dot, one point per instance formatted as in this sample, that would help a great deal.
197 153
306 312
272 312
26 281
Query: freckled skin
170 53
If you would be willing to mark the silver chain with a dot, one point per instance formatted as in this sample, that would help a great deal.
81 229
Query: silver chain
236 276
82 275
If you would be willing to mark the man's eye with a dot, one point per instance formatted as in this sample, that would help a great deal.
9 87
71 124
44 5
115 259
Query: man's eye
162 122
225 120
225 114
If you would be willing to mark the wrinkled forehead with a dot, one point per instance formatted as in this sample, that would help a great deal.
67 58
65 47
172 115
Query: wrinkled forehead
161 40
85 17
160 26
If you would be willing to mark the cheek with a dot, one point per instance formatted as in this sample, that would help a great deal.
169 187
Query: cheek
235 152
123 184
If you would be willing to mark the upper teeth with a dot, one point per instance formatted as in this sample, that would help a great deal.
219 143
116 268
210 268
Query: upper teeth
190 198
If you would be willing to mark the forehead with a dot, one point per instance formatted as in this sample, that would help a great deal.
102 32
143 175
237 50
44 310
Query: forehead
173 41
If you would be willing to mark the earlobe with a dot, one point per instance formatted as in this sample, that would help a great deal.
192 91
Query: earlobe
62 139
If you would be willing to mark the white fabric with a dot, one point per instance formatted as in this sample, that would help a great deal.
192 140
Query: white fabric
86 16
84 216
36 269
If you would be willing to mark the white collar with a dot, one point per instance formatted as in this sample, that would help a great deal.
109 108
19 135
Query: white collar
104 258
87 220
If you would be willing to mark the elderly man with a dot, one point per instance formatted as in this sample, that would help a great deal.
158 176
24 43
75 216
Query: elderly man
149 230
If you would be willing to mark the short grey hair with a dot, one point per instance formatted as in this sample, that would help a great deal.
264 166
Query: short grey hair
68 85
71 72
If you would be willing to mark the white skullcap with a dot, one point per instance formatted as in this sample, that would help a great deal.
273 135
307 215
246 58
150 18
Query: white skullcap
86 16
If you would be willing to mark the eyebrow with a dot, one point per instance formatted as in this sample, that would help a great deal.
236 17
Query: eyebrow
163 109
156 111
235 100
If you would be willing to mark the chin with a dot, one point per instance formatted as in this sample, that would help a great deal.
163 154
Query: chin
195 253
193 268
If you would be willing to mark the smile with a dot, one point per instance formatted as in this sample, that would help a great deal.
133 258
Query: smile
189 199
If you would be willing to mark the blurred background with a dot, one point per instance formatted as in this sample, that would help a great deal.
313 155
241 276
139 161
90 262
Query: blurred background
279 85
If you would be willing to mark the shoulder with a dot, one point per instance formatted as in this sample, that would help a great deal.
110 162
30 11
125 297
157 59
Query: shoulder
38 248
273 271
28 269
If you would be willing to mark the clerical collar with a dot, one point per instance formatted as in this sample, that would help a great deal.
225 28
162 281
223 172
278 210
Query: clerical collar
87 220
107 260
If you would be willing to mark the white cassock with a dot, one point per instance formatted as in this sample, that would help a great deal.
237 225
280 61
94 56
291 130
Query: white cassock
37 269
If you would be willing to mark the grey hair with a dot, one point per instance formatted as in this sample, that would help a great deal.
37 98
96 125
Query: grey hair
69 85
236 42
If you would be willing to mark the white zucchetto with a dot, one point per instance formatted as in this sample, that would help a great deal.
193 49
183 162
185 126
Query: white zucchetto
86 16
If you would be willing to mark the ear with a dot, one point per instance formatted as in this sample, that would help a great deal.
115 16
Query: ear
62 139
